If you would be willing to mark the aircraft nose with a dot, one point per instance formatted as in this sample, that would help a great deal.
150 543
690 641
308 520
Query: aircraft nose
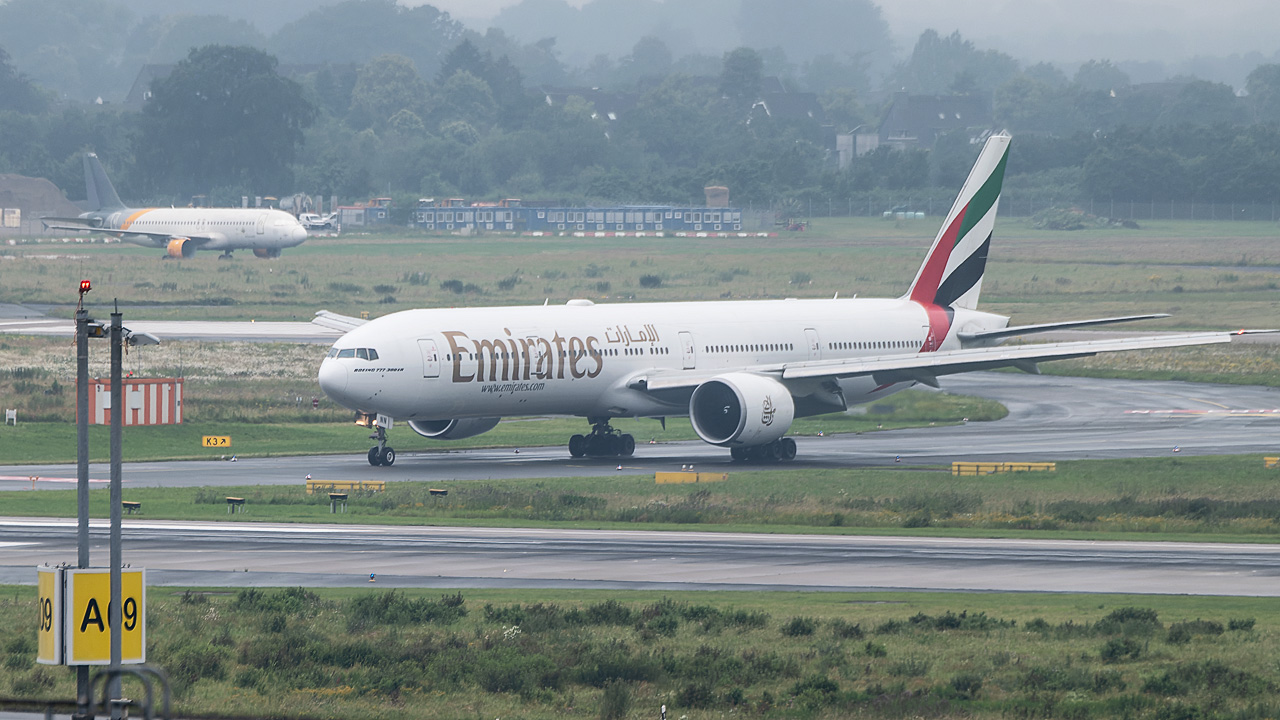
333 380
298 234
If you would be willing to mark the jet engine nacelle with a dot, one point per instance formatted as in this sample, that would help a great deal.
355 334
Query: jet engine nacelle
453 429
181 248
267 252
741 409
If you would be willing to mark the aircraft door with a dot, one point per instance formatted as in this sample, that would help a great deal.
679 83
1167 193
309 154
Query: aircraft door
688 352
262 224
815 345
430 358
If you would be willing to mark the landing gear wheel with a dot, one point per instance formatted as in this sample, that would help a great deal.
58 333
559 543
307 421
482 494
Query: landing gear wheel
373 456
387 456
603 441
738 454
788 448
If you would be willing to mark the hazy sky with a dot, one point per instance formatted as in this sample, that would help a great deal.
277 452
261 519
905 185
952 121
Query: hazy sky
1056 30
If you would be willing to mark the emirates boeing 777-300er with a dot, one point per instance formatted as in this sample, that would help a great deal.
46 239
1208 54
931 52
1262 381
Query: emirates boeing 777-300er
181 231
742 371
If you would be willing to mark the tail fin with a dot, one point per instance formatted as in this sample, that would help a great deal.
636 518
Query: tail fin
951 275
102 196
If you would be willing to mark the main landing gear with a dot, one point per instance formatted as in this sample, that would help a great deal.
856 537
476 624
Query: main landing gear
381 454
776 451
603 441
226 255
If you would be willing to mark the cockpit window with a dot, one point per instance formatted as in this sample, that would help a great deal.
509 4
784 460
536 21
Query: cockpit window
362 353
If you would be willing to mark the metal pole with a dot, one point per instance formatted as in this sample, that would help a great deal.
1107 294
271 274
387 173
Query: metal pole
114 614
83 701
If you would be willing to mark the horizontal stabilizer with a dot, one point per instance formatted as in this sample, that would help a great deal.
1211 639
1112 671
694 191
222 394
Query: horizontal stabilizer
334 321
968 338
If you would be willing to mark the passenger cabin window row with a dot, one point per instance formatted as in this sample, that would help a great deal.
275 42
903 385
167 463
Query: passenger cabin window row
872 345
362 353
763 347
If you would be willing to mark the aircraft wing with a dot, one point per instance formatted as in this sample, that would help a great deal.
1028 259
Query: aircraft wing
986 335
334 321
926 367
161 237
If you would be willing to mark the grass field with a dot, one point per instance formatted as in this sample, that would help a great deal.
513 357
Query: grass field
1210 275
1232 499
591 654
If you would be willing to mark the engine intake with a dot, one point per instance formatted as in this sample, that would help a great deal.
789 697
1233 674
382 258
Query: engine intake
741 409
453 429
181 248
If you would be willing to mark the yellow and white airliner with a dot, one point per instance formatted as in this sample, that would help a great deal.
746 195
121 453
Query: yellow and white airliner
742 371
181 231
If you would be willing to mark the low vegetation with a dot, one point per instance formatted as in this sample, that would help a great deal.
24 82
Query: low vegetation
1206 498
549 654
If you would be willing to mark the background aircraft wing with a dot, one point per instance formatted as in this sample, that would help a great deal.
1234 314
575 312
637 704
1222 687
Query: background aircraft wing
926 367
159 237
334 321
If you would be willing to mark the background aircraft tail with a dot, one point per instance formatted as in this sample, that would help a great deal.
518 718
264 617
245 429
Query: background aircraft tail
102 196
951 276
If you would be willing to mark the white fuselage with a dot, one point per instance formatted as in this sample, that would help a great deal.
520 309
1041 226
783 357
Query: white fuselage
227 228
583 359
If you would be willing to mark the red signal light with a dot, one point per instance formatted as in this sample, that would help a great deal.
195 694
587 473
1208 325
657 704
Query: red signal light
84 287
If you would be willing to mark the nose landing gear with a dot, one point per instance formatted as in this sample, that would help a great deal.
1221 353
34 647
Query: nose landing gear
381 454
603 441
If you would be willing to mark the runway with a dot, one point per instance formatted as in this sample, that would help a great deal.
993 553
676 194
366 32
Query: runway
255 555
1050 418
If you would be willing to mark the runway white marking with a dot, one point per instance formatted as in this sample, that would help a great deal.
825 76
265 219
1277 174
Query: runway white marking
41 478
1224 413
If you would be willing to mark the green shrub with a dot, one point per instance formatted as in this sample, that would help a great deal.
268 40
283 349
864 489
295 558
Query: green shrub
650 281
967 685
816 683
1129 621
1120 649
616 701
1244 624
844 630
609 612
799 626
695 695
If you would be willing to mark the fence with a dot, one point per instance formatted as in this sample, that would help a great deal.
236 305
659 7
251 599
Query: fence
935 206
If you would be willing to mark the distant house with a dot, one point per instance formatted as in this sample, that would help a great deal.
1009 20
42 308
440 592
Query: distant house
607 105
916 121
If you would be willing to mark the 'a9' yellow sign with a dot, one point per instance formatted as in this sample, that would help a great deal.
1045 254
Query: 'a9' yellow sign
87 617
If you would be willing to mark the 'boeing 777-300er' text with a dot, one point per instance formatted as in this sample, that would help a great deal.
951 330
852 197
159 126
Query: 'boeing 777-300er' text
181 231
741 370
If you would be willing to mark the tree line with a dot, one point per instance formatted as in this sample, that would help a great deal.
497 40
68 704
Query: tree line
227 122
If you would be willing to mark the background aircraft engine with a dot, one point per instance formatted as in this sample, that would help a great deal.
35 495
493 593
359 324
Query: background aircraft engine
453 429
267 252
181 248
741 409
